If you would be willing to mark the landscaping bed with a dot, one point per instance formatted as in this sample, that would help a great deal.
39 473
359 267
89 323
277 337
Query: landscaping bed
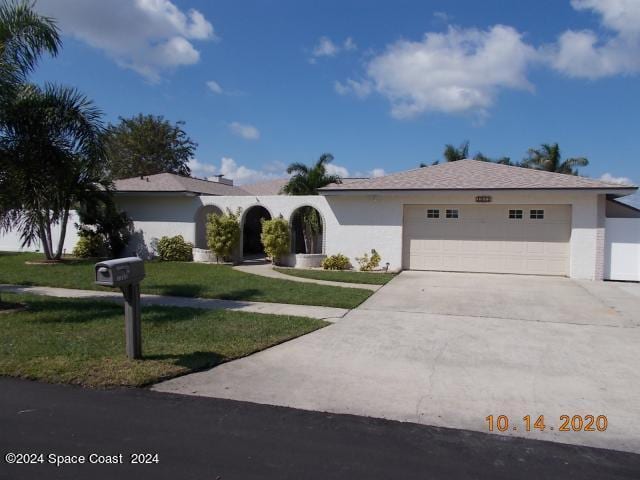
371 278
82 341
184 279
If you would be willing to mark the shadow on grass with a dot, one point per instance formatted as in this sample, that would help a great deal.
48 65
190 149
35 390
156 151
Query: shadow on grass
179 290
193 361
251 294
87 310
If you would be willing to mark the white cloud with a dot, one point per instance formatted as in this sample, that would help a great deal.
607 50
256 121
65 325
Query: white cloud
607 177
147 36
622 16
200 169
242 175
246 131
325 48
328 48
333 169
585 54
215 87
443 17
377 172
349 45
359 89
461 70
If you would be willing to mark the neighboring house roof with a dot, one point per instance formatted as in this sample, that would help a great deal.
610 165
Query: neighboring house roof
475 175
268 187
172 183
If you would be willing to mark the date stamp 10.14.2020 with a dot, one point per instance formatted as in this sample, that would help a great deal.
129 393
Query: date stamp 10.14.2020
565 423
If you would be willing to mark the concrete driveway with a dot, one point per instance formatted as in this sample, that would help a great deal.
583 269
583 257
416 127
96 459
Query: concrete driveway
449 349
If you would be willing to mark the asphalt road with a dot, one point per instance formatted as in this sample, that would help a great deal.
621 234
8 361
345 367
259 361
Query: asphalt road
205 438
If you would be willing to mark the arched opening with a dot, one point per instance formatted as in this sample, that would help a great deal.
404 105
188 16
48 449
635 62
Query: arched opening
307 230
251 229
201 224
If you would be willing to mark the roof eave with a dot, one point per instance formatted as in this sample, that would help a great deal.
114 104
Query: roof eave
620 191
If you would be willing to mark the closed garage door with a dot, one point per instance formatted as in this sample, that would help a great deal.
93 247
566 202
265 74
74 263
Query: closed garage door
487 238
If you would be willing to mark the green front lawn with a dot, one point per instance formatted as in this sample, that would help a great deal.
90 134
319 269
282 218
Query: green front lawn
372 278
182 279
82 341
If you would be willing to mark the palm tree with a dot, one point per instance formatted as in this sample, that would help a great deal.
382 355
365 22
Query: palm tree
549 158
52 153
24 37
452 154
306 180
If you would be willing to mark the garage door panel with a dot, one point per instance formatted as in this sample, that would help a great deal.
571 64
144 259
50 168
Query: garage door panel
484 239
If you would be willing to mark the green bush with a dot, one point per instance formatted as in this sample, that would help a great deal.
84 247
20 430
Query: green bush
369 263
175 249
336 262
90 244
223 233
275 238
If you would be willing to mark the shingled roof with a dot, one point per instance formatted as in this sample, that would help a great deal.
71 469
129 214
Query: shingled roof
475 175
172 183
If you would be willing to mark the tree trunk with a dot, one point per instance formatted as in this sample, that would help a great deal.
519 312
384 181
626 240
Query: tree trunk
308 235
63 231
43 240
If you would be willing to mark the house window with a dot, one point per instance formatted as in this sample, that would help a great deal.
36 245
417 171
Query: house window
536 214
517 214
451 213
433 213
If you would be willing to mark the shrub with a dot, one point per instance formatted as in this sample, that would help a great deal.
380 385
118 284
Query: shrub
275 238
223 233
175 249
90 244
336 262
369 263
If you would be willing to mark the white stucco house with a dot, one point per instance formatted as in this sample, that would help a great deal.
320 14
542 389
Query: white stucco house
466 216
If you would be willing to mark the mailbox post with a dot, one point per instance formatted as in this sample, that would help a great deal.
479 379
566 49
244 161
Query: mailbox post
126 273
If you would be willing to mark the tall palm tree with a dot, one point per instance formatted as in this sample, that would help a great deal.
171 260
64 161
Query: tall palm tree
24 37
549 158
53 157
306 180
452 154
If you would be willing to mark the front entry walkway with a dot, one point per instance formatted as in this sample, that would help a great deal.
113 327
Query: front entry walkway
450 349
266 270
329 314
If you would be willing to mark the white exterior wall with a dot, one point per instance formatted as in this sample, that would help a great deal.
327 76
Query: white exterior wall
10 241
622 249
375 221
354 224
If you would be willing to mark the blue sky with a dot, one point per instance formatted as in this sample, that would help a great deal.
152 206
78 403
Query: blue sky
382 85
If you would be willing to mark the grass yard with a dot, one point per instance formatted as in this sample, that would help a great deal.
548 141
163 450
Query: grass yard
82 342
182 279
340 275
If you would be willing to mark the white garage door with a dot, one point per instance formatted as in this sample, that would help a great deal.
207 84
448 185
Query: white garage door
487 238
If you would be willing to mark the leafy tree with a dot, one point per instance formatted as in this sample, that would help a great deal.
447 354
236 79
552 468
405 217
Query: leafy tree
24 37
549 158
52 159
101 217
223 233
306 181
146 145
275 238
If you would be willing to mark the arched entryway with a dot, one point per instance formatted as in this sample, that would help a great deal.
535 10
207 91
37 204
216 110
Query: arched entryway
307 230
251 229
201 224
